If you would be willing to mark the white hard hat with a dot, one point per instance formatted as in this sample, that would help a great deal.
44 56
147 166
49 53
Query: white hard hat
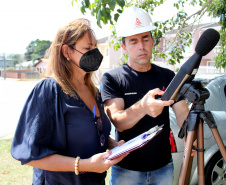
133 21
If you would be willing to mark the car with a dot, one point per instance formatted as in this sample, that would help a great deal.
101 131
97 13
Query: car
215 169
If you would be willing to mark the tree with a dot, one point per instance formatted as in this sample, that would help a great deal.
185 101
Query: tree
108 11
16 58
218 9
36 49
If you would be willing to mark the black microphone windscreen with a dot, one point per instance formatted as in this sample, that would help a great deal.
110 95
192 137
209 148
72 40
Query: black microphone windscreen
207 41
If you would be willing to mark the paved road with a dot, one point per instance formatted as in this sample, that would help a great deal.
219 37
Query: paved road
13 94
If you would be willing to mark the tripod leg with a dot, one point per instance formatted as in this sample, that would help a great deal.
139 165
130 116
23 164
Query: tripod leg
200 155
188 174
219 142
186 158
193 121
208 118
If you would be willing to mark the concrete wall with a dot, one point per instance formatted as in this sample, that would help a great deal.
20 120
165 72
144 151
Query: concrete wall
20 74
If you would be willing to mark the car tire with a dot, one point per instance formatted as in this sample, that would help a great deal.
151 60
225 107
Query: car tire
215 170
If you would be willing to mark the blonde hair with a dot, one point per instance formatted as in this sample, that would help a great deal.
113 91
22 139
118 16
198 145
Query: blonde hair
58 66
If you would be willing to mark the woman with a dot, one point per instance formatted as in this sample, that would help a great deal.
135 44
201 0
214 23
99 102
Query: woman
63 131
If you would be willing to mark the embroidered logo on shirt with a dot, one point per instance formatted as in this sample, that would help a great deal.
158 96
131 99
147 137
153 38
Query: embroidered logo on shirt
131 93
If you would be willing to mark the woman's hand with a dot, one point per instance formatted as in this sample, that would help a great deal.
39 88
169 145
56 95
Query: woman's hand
99 163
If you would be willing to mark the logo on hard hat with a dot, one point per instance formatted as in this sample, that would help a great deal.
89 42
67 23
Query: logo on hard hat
138 23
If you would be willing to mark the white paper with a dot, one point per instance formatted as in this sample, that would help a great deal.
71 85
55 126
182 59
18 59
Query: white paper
135 143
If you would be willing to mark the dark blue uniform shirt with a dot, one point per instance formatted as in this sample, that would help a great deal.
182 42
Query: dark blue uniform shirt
54 123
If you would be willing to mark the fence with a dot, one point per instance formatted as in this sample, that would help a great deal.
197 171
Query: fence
20 74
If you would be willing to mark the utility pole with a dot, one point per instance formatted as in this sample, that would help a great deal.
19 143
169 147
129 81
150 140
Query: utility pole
4 60
5 64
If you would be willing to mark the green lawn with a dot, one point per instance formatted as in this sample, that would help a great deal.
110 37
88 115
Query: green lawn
11 171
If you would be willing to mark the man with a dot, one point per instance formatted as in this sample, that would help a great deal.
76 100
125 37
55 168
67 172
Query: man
131 95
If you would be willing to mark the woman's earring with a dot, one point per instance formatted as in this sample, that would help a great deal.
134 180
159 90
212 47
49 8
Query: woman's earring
68 59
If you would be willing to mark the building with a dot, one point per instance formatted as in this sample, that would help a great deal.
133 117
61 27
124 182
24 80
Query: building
110 56
27 65
41 65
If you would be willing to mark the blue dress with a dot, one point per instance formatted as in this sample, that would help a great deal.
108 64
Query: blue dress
52 122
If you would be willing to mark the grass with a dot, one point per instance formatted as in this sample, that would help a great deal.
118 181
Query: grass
11 170
107 177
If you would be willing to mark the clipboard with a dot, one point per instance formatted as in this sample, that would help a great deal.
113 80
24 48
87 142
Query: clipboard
135 143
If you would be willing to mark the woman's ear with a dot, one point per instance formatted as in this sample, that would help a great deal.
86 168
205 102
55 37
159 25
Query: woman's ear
65 51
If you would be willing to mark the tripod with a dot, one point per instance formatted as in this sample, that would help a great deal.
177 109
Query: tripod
193 128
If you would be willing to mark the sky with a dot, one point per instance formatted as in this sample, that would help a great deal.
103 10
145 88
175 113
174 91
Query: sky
22 21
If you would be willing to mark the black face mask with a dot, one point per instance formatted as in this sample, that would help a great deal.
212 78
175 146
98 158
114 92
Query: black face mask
90 61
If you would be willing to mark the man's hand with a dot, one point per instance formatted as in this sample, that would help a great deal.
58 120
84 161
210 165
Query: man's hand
153 107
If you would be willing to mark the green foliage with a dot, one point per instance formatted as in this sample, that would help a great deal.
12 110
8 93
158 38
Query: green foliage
16 58
220 59
123 59
218 9
108 11
177 69
36 49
